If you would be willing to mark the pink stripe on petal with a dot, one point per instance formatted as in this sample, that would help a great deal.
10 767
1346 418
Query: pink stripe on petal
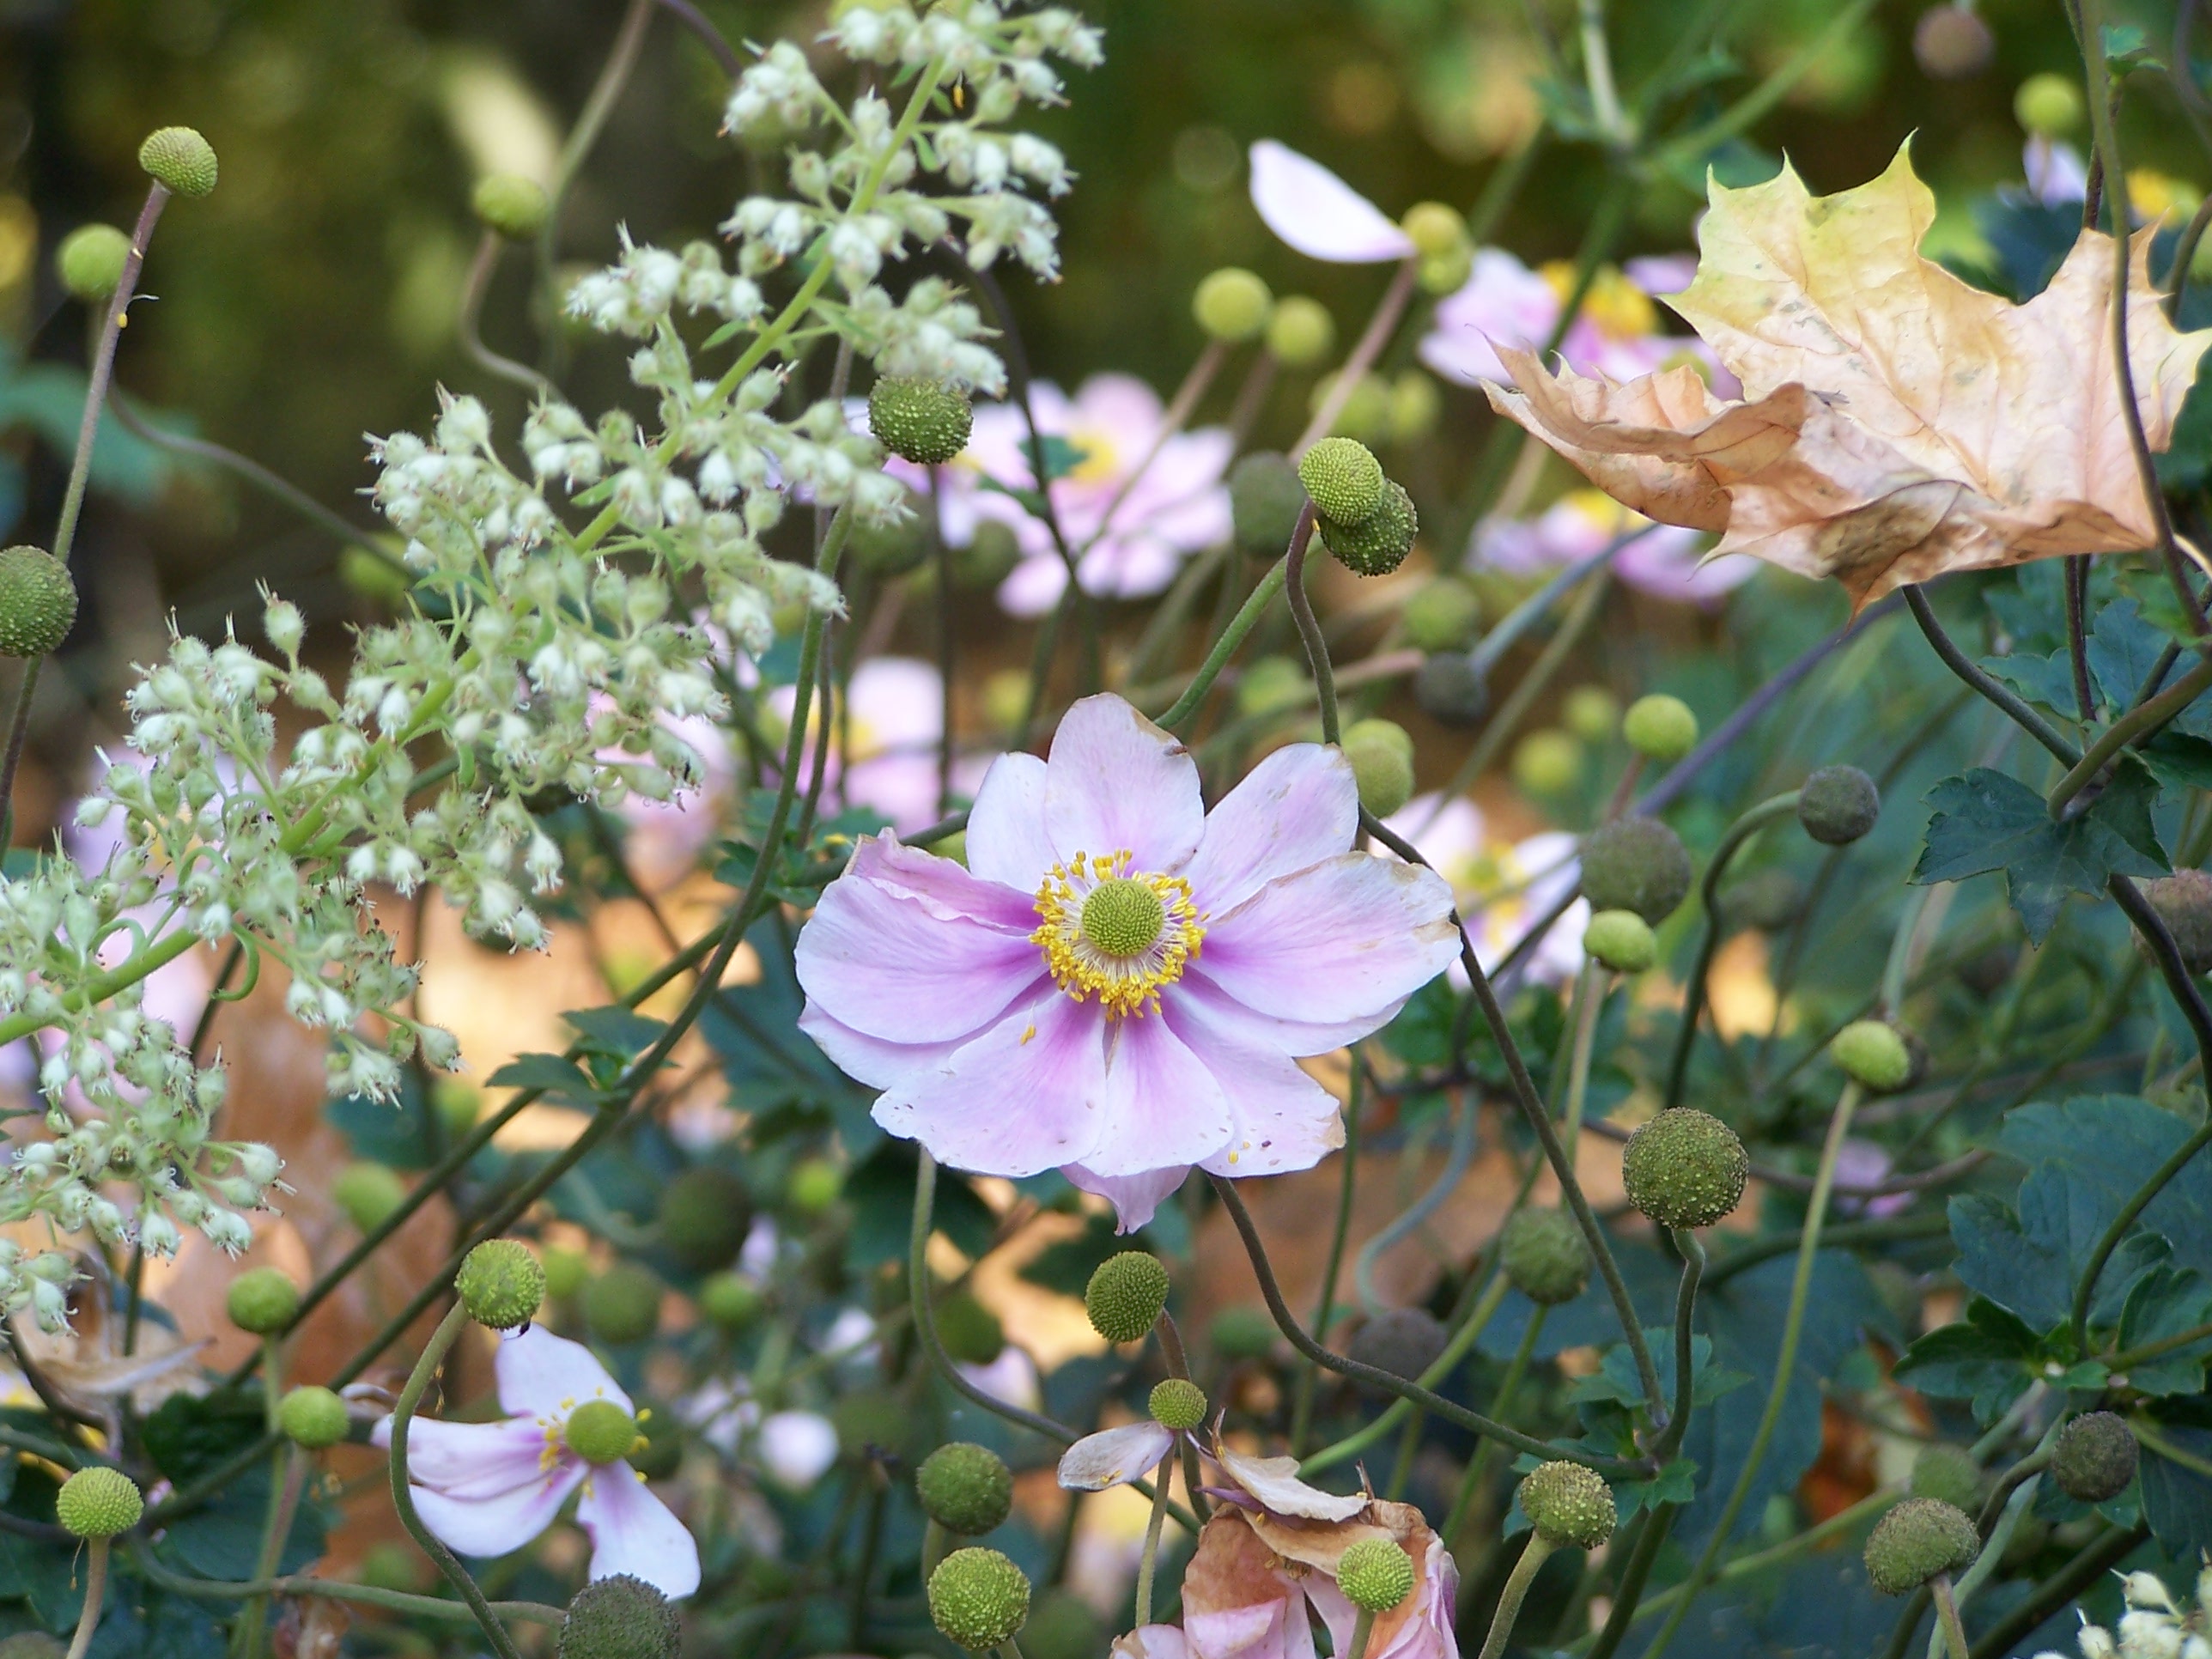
945 890
1027 1096
1163 1109
1136 1198
1006 842
485 1527
1296 808
471 1460
542 1375
634 1532
1118 781
1345 940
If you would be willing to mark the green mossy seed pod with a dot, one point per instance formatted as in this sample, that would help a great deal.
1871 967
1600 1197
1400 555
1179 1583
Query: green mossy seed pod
1375 1574
312 1416
965 1488
1177 1403
1768 900
922 421
1344 479
622 1304
369 1193
1660 728
1635 864
732 1302
90 261
1917 1541
502 1284
1445 273
1591 713
1570 1506
978 1599
705 1214
1434 229
1381 758
813 1186
1451 691
1621 940
1444 616
1273 685
1243 1332
621 1618
1231 304
989 557
1125 1296
1685 1168
1948 1474
1873 1055
2184 903
1377 544
179 160
600 1433
2095 1457
1300 331
2049 106
1547 762
99 1503
511 205
1061 1625
1402 1341
261 1300
565 1270
971 1333
38 602
1265 500
1545 1256
1837 805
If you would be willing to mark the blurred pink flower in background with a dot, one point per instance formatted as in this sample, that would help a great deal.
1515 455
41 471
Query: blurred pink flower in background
883 748
1663 562
1618 332
1502 888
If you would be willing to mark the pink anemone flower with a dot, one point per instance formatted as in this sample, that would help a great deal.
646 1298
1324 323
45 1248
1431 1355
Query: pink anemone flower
1118 984
1664 562
485 1489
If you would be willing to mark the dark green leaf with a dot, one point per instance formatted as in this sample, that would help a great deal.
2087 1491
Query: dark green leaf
2177 1499
1989 1358
559 1079
2028 1260
615 1032
2167 1302
1986 821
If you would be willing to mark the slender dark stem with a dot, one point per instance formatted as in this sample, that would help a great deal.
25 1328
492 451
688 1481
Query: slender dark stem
2077 642
721 50
1739 834
472 298
1302 612
2139 720
1686 1307
1628 1590
2184 251
103 370
1325 1309
19 730
1967 670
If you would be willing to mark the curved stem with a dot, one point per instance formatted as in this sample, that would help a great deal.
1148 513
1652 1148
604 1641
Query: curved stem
1411 1220
1325 1311
1464 1338
1739 833
472 298
1149 1561
2143 717
1686 1305
1971 672
151 1569
1248 614
1478 1467
1302 612
1515 1592
1946 1616
2098 1557
246 1639
95 1592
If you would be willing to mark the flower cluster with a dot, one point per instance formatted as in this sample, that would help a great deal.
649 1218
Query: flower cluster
2155 1625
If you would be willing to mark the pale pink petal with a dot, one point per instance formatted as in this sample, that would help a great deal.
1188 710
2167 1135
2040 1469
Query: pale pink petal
1114 1457
1274 1482
1284 1120
1118 782
871 1060
948 890
1152 1642
1346 938
1297 807
1121 406
542 1375
1136 1198
486 1527
1163 1107
1660 275
895 700
1007 839
1282 1034
633 1532
1034 586
1027 1096
1317 213
471 1460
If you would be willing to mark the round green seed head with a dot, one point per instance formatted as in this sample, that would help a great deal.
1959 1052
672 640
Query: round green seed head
565 1270
1273 685
923 420
813 1185
511 205
1123 916
1243 1331
1375 1575
1125 1296
1416 406
622 1304
1451 691
1177 1403
501 1284
600 1433
180 159
1622 941
1660 728
2184 903
1265 500
90 261
1300 331
1344 479
1545 1256
1231 304
1381 758
2048 106
312 1417
705 1214
1442 617
872 1422
965 1488
1873 1055
988 558
1591 713
1948 1474
1568 1504
1768 900
99 1503
38 602
1837 805
1919 1539
1434 229
1635 864
1445 273
1062 1626
261 1300
978 1599
1685 1168
1402 1341
1377 544
621 1618
369 1193
971 1333
2095 1457
732 1302
1547 762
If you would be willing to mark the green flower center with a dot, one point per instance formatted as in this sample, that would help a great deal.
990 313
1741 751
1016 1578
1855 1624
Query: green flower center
1123 917
600 1431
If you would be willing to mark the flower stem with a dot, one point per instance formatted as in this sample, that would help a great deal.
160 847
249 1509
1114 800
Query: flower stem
416 1607
1464 1338
1150 1561
1377 335
1516 1591
1302 612
1967 670
1478 1467
95 1592
246 1639
1362 1627
1255 606
472 298
1686 1306
2143 717
1947 1614
1325 1309
1739 834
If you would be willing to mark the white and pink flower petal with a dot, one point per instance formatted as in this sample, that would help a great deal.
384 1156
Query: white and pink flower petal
1317 213
470 1460
1006 838
1163 1107
1283 1121
1296 808
545 1376
1114 1457
872 1060
633 1532
1028 1095
1136 1198
1116 782
486 1527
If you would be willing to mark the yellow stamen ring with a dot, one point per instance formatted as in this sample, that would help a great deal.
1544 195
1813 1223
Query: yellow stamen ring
1115 933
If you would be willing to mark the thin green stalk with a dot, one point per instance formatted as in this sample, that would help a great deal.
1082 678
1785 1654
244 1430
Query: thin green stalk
151 1568
1754 104
1302 612
1248 614
1509 1599
1739 834
2085 1291
1325 1312
2143 717
1946 1614
1150 1561
95 1592
246 1639
1362 1628
1686 1306
1441 1367
1372 339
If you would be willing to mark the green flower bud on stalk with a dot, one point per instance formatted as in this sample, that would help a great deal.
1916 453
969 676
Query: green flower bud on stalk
1300 331
971 1333
1837 805
38 602
1377 544
1434 229
923 420
99 1502
978 1599
1591 713
2048 106
1621 940
501 1284
965 1488
90 261
180 160
622 1304
1635 864
1451 691
369 1193
1125 1296
1685 1169
1265 500
813 1186
621 1618
1660 728
1231 304
1947 1473
2095 1457
511 205
1381 758
1375 1574
1548 763
1917 1541
1344 479
989 557
732 1302
312 1416
2184 903
705 1214
1177 1403
1444 616
1446 272
1402 1341
261 1300
1569 1506
1873 1055
1545 1256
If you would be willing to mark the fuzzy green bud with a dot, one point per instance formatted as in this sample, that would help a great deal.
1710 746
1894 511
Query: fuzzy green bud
1231 304
1591 713
1243 1331
1125 1296
989 557
1917 1541
1547 762
732 1302
1402 1341
180 160
1445 272
1873 1055
90 261
2184 903
1947 1473
1344 479
621 1618
99 1502
1660 728
1273 685
922 421
813 1186
38 602
369 1193
622 1304
1375 1574
978 1599
1569 1506
1545 1256
2049 106
1434 227
501 1284
1265 500
1451 691
1300 331
511 205
1621 940
261 1300
1837 805
1685 1168
1381 758
1635 864
970 1332
1377 544
1443 616
565 1270
705 1214
312 1417
1177 1403
2095 1457
965 1488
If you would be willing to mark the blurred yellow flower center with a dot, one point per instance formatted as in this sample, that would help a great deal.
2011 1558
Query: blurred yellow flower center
1101 462
1615 306
1113 933
1595 508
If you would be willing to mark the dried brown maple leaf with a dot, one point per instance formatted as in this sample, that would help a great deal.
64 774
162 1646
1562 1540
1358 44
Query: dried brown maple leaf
1897 422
